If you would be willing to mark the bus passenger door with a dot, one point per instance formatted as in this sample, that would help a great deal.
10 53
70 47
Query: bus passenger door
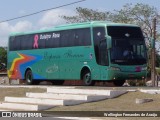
100 48
103 58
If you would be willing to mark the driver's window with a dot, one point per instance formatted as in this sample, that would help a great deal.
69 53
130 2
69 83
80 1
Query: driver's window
99 36
103 57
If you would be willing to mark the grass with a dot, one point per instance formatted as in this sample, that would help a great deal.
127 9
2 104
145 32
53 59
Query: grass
125 102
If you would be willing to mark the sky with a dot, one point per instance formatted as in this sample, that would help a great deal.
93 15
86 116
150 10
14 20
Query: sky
15 8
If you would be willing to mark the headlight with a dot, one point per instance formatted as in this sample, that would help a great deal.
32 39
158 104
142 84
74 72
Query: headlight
115 68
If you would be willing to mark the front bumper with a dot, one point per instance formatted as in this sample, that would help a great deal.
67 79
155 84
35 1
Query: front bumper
127 73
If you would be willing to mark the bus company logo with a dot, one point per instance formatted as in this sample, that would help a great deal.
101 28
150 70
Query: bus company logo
52 69
36 38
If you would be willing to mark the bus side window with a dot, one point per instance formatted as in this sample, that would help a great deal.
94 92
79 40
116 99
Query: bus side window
64 38
11 43
71 38
41 43
54 41
98 37
83 37
17 43
103 56
78 37
26 42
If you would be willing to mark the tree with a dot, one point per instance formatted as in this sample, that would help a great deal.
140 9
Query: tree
3 55
140 14
85 15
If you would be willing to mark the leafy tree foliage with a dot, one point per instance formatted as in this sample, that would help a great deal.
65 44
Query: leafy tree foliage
3 55
140 14
85 14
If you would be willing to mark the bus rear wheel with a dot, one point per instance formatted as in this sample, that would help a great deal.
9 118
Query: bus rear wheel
87 81
118 82
29 77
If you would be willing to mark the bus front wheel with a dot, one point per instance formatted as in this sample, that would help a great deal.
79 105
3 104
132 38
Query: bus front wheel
29 77
87 81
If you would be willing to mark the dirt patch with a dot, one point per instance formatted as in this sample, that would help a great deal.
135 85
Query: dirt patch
18 92
125 102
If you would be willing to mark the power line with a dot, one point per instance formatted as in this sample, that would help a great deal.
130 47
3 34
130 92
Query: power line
42 11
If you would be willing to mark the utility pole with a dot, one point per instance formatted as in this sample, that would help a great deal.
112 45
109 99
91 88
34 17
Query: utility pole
153 55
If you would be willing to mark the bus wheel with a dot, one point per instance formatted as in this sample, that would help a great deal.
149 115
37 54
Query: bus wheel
87 81
118 82
29 77
57 82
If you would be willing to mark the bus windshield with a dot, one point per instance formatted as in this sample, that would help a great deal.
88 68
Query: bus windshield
128 45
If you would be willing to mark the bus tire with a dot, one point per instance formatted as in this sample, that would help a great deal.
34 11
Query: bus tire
118 82
29 77
87 81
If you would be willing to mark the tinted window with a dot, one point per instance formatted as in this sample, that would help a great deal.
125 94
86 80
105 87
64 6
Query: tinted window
66 38
83 37
72 38
98 36
103 57
26 42
53 42
41 43
17 43
11 43
123 32
75 37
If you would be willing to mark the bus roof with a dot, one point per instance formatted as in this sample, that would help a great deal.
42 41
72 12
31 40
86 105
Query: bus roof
74 26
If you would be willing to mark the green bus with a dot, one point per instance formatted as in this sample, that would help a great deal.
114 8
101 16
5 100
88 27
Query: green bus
90 51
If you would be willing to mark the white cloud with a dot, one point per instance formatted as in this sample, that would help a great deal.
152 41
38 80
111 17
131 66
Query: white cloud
21 26
6 29
49 19
52 18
